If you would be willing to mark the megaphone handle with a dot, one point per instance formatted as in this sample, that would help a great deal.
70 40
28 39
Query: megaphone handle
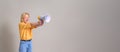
41 22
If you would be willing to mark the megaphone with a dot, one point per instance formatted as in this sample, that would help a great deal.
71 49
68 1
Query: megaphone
45 18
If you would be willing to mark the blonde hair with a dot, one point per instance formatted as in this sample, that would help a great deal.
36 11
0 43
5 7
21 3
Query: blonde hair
22 16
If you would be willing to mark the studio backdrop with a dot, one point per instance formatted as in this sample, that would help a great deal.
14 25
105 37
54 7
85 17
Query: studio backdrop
75 26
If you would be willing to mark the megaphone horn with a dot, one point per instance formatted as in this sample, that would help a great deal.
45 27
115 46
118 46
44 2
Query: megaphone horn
45 18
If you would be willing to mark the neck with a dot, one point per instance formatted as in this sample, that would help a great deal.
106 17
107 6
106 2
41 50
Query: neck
25 21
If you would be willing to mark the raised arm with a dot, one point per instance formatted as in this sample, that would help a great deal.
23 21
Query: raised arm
37 24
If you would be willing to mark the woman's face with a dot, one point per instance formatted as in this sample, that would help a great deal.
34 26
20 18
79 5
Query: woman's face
26 18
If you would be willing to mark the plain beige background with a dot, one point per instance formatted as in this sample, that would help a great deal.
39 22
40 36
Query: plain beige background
76 26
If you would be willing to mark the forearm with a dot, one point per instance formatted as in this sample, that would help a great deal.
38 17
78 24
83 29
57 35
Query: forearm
37 24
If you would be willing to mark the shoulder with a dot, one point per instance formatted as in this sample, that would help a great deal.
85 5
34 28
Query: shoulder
21 23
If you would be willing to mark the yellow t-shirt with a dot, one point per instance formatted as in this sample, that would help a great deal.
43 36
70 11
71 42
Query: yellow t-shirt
25 30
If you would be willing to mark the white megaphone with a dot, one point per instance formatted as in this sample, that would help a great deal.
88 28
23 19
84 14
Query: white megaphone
45 18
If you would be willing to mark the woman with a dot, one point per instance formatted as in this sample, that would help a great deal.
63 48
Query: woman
25 30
